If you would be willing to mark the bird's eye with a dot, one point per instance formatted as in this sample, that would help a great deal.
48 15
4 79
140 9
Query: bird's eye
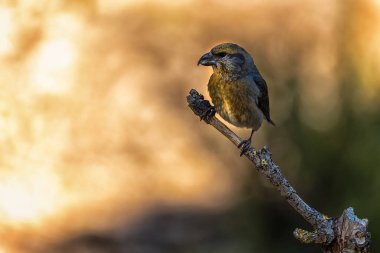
222 54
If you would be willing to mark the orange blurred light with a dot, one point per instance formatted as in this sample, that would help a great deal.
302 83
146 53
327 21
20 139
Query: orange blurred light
6 29
27 197
52 67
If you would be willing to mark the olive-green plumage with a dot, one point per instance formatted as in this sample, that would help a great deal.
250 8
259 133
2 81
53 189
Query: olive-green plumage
237 90
235 100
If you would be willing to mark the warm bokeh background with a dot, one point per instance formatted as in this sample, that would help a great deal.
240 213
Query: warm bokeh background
99 152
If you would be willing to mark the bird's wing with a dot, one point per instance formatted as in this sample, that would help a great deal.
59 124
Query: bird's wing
263 99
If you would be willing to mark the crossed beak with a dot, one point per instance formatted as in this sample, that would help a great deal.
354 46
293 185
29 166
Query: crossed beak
207 60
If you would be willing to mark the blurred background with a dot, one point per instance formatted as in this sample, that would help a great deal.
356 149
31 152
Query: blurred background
100 153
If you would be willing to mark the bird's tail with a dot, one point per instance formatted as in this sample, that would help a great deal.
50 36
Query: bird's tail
271 121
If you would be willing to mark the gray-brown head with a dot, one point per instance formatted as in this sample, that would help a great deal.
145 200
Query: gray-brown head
229 60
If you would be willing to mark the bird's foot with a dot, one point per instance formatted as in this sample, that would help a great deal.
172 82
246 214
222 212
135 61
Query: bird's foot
207 115
246 144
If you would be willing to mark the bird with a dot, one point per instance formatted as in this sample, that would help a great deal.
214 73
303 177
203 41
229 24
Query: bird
238 91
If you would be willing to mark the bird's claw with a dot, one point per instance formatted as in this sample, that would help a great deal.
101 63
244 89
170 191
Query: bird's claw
246 144
207 115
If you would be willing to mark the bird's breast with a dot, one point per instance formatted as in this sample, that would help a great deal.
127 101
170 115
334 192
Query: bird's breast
236 102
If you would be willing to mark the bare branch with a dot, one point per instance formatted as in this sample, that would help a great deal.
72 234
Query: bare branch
346 234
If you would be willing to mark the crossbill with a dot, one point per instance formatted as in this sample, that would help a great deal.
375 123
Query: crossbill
237 89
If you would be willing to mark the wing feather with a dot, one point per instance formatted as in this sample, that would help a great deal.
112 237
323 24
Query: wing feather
263 99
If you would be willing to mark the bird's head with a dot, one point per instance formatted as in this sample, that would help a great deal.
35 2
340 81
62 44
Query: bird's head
228 60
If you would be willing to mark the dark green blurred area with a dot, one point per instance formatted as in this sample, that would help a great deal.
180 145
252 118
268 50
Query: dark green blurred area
339 165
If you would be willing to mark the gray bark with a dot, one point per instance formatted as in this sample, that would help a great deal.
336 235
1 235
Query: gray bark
345 234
